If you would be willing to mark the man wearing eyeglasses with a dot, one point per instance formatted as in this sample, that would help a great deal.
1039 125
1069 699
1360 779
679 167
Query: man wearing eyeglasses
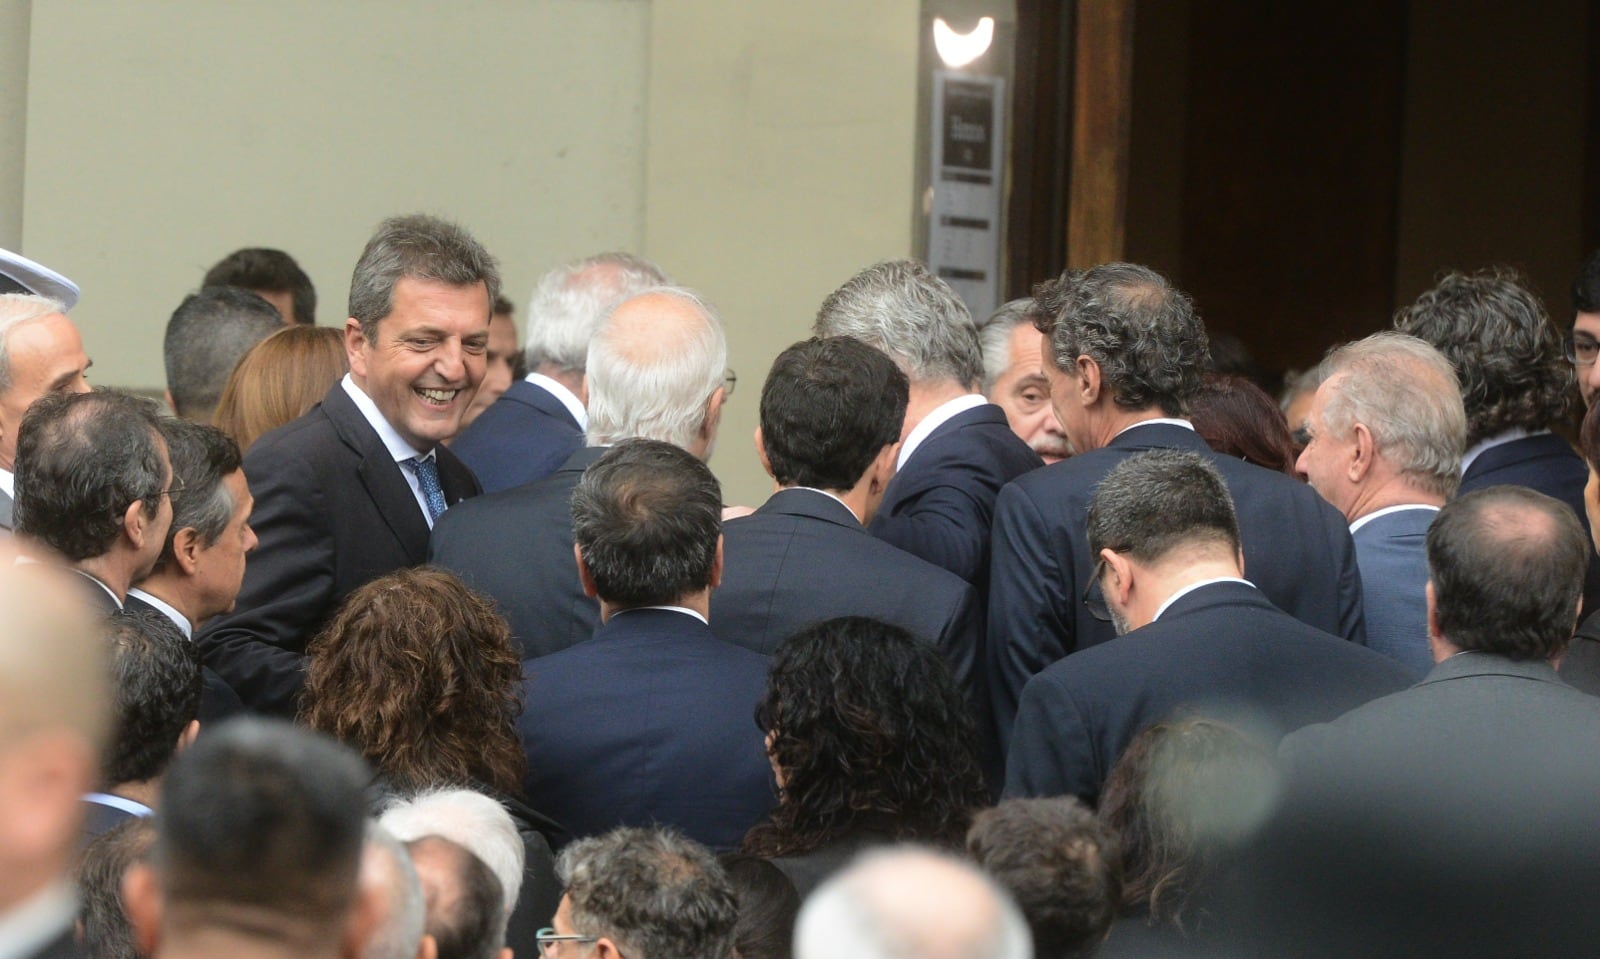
1583 343
94 489
1194 635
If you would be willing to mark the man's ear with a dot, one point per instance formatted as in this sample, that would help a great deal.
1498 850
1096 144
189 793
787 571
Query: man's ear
167 395
1366 449
134 524
362 924
606 949
190 733
708 428
1118 581
584 575
186 549
141 900
428 948
716 565
355 347
761 452
1088 381
884 468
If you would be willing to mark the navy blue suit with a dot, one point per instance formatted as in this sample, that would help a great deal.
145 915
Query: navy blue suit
515 546
218 701
803 558
523 436
1392 552
940 505
1297 549
333 512
1222 650
650 721
1545 463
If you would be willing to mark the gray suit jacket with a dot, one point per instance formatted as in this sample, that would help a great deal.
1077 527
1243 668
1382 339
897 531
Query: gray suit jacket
1391 552
7 504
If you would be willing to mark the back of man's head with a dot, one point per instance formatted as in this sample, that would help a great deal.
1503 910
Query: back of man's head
571 301
202 458
1507 566
653 366
473 820
259 835
156 673
389 877
1586 288
82 460
652 892
908 901
1155 503
1059 864
266 271
1140 330
829 407
904 310
1506 352
206 337
466 910
101 867
1405 392
647 519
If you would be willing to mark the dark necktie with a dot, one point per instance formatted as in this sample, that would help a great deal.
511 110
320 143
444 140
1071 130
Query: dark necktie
427 470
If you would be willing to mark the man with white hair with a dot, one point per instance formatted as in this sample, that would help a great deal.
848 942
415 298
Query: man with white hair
655 371
40 353
521 862
910 902
1385 434
390 878
539 421
1014 380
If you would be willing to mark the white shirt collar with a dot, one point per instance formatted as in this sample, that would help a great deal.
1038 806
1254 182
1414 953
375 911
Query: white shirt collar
567 397
832 496
936 418
392 440
118 802
1162 420
1194 586
1386 511
8 482
37 920
676 609
167 610
1499 439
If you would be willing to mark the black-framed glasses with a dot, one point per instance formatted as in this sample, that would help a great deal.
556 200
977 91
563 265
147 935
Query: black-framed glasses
548 939
171 491
1094 600
1580 349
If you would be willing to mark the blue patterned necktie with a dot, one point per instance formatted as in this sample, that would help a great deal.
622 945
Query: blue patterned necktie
427 470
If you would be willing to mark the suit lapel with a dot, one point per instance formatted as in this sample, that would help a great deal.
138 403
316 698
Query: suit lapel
380 474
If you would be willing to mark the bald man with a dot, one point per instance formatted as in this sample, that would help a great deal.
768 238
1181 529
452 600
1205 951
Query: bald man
42 353
655 371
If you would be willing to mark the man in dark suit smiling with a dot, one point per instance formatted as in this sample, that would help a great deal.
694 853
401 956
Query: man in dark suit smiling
350 490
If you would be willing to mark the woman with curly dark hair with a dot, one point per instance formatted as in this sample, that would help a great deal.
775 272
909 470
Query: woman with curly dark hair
871 741
417 673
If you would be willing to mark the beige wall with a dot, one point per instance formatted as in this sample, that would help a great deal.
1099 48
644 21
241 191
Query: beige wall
781 157
13 116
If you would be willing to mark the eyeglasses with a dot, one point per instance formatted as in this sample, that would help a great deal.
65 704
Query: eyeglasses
1093 599
730 379
548 939
1580 350
172 490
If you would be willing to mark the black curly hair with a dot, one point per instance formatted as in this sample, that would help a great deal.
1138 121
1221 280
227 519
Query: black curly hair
869 730
1506 352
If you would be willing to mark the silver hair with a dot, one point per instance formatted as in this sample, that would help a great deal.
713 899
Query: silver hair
421 247
995 337
847 918
904 310
470 819
15 310
406 913
659 393
1406 392
655 893
571 300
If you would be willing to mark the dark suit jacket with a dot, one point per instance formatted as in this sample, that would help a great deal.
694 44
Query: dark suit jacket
93 592
1297 549
1392 554
64 946
515 546
332 512
7 507
650 721
1222 650
940 506
1545 463
523 436
218 701
803 558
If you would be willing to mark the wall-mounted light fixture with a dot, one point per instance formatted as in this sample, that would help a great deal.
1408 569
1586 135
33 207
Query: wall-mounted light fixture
960 49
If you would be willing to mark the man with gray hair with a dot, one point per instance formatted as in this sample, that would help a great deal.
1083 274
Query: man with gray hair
539 422
465 902
1384 438
389 878
910 902
956 448
1014 380
349 491
207 335
654 370
1193 635
40 353
1125 354
644 894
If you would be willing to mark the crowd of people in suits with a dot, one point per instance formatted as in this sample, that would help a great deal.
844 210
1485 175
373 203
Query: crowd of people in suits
404 640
